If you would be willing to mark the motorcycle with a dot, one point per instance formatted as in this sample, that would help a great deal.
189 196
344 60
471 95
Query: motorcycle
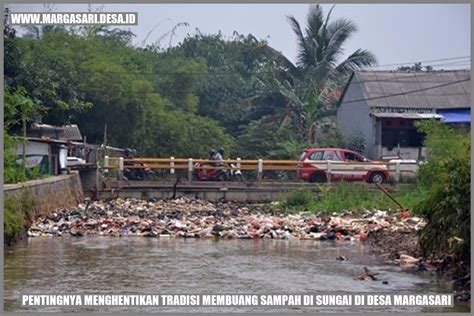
232 174
143 173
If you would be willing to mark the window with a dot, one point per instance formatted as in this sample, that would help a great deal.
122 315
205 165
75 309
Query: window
353 157
331 155
317 155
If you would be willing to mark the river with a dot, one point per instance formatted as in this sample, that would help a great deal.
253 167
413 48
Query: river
107 265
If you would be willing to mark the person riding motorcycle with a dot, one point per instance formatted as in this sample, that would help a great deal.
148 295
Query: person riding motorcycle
212 154
136 173
219 157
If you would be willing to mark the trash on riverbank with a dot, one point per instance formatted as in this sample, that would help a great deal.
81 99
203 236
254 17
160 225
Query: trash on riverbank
191 218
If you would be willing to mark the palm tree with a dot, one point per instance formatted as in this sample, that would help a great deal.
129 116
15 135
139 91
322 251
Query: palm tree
319 71
320 46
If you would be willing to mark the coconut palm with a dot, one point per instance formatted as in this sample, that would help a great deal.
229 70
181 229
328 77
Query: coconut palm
320 46
309 86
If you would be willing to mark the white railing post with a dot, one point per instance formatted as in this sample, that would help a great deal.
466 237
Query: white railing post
106 161
238 164
172 165
397 172
190 170
329 172
121 167
260 171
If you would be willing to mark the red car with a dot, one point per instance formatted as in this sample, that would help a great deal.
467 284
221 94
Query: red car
342 164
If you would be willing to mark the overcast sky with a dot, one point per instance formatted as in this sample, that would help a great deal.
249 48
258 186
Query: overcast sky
395 33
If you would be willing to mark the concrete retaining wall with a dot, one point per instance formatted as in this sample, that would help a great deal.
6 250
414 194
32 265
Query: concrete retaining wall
49 194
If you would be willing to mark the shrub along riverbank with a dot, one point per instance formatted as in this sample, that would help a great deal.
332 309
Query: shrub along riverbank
347 197
17 217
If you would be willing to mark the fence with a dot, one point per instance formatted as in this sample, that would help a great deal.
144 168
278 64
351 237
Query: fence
190 165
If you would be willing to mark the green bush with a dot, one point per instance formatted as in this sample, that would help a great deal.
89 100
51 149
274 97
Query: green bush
350 196
13 172
445 178
347 196
299 200
17 215
13 220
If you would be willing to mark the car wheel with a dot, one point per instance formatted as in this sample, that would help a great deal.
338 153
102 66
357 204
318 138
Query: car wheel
318 177
377 177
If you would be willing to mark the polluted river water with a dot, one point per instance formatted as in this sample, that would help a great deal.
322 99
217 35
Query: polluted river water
107 265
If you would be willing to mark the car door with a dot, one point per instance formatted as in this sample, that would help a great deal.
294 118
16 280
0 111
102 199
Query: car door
336 160
356 167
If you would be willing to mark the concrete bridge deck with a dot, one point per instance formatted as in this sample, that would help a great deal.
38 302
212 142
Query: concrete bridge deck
232 191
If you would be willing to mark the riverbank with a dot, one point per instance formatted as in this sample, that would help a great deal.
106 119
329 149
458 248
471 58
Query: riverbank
401 248
26 201
391 235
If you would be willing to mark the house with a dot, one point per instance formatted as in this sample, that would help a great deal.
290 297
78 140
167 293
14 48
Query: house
47 147
48 155
381 107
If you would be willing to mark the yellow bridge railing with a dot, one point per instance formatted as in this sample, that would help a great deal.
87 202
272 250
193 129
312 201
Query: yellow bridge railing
190 164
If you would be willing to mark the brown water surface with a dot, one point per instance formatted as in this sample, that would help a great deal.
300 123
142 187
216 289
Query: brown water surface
107 265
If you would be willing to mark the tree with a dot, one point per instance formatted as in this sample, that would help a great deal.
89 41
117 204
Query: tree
320 46
310 86
236 88
416 67
19 108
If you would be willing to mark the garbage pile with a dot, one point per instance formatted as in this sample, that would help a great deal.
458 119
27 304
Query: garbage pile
191 218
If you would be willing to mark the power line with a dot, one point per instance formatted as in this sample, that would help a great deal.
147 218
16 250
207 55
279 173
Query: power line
408 92
403 79
420 61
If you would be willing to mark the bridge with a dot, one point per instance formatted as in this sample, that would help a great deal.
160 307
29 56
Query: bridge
262 181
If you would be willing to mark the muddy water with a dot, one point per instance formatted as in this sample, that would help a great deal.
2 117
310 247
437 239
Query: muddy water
105 265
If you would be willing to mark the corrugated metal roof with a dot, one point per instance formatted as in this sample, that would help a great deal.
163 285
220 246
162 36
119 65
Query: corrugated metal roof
400 89
65 132
456 116
412 116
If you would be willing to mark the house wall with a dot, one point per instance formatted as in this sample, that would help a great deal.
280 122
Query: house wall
354 119
36 153
33 148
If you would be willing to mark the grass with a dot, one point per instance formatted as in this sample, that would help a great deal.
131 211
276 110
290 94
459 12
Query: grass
345 196
17 215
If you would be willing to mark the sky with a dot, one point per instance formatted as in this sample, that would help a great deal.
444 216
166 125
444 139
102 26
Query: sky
395 33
